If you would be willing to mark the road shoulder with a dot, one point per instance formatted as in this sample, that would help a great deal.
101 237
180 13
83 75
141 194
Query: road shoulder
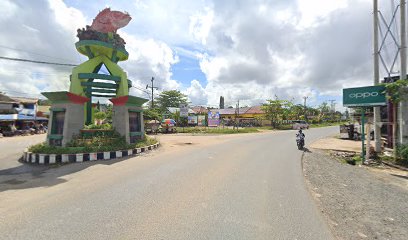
356 202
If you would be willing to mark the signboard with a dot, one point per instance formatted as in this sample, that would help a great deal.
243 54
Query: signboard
201 120
364 96
192 120
183 110
213 119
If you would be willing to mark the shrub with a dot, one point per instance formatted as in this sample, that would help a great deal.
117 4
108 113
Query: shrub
95 144
100 115
105 126
145 142
402 154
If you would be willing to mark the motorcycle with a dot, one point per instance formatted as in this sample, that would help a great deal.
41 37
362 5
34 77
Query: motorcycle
300 141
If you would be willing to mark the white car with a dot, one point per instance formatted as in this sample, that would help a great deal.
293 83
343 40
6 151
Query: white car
300 124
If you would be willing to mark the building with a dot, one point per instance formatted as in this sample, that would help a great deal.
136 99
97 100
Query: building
245 115
18 111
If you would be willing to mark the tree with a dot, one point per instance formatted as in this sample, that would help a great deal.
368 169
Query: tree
152 114
324 109
172 98
275 110
396 91
296 111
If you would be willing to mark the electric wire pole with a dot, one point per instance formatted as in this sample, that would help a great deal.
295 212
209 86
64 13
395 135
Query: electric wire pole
152 87
304 105
377 113
403 105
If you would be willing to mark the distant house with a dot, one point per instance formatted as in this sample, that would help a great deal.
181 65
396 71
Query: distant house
243 115
27 106
199 110
18 111
7 105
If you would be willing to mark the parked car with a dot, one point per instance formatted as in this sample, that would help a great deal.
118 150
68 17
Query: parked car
300 124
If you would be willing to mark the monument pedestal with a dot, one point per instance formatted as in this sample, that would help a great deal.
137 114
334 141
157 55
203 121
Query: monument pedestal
128 117
66 117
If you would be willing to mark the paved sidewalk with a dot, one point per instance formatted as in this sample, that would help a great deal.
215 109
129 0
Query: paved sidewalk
358 202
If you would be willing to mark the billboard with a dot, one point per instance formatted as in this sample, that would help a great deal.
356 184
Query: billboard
192 120
364 96
201 120
213 118
183 110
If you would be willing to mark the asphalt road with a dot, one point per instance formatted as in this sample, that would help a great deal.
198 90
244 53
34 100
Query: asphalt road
11 149
243 187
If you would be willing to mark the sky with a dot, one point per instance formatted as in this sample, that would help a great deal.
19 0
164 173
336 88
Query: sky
249 51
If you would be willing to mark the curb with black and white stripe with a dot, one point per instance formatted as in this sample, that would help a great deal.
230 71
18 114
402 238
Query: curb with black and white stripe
39 158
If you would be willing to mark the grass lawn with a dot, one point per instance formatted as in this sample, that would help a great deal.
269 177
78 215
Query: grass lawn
215 130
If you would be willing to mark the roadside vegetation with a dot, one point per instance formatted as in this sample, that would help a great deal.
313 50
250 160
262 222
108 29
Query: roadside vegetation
209 130
400 158
86 144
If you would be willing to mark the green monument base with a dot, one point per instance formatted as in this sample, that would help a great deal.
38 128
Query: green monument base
66 117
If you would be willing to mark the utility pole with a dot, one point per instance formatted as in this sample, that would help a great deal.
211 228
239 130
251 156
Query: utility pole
152 87
377 113
403 105
304 105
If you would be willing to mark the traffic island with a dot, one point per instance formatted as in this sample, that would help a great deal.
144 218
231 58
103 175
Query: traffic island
72 156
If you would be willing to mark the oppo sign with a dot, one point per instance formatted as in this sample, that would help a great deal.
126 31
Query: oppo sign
364 96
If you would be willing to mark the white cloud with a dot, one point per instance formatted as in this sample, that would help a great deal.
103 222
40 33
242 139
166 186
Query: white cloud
149 58
51 36
200 25
8 9
68 17
248 50
313 12
196 93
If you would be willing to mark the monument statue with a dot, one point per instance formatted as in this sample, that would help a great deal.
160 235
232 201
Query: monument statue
104 47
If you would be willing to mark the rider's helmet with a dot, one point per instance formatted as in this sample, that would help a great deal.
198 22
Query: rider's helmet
300 130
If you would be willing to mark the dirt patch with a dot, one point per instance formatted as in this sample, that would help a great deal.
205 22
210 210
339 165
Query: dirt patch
332 143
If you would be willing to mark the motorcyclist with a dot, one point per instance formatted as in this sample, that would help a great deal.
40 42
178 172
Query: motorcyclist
300 136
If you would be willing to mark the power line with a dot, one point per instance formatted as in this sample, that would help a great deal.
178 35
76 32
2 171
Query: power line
21 50
40 62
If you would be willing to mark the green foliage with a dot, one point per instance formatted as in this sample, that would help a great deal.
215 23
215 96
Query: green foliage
46 149
208 130
145 142
394 90
109 113
172 98
105 126
100 115
95 144
276 110
152 114
402 152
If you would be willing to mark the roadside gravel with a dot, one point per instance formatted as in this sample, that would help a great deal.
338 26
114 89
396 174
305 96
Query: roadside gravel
358 203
